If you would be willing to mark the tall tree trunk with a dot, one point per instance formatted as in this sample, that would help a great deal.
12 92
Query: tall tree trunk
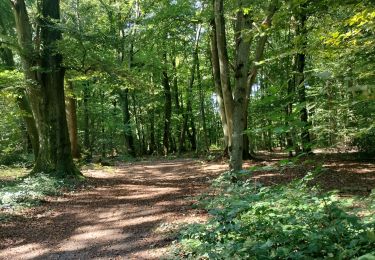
138 123
243 23
288 112
221 44
103 141
71 116
128 132
181 129
86 120
182 137
202 106
189 126
46 92
167 108
55 152
301 32
218 88
175 87
246 154
152 133
152 145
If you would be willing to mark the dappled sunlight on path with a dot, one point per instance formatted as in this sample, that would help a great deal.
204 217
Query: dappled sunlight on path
115 218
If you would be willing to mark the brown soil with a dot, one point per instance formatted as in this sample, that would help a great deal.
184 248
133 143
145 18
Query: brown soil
129 211
126 214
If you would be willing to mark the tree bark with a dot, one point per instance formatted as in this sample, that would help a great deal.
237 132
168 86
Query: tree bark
300 78
71 116
24 106
128 133
46 87
243 41
167 108
218 89
288 112
180 129
86 119
202 106
221 43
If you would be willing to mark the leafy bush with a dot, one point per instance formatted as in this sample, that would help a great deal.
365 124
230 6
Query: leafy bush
365 141
29 191
12 158
280 222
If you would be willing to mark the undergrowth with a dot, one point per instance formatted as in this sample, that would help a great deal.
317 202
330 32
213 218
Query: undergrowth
30 190
291 221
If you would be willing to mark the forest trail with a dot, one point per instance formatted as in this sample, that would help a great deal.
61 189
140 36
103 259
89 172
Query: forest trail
121 216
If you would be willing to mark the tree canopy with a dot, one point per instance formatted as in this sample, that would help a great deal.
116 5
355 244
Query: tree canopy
142 77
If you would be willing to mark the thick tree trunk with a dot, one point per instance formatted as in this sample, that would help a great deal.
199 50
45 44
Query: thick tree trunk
46 90
55 153
71 116
246 154
243 22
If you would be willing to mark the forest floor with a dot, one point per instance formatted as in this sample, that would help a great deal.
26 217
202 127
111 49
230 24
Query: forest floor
132 210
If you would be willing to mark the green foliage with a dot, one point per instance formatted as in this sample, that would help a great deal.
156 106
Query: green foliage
13 158
365 141
11 79
12 131
31 190
281 222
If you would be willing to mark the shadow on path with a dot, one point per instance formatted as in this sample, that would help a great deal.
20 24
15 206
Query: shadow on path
114 219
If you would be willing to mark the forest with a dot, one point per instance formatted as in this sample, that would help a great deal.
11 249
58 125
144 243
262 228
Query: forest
187 129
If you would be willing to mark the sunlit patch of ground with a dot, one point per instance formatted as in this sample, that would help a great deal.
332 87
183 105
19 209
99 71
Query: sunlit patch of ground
133 210
11 173
118 215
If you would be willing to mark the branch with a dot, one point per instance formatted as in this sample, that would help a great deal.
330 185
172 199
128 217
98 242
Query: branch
267 22
10 45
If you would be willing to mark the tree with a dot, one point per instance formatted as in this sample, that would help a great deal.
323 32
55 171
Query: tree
236 103
45 86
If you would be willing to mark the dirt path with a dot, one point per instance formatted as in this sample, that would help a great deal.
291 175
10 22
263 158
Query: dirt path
121 217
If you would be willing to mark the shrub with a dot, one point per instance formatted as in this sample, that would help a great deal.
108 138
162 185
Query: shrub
365 141
12 158
280 222
30 190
